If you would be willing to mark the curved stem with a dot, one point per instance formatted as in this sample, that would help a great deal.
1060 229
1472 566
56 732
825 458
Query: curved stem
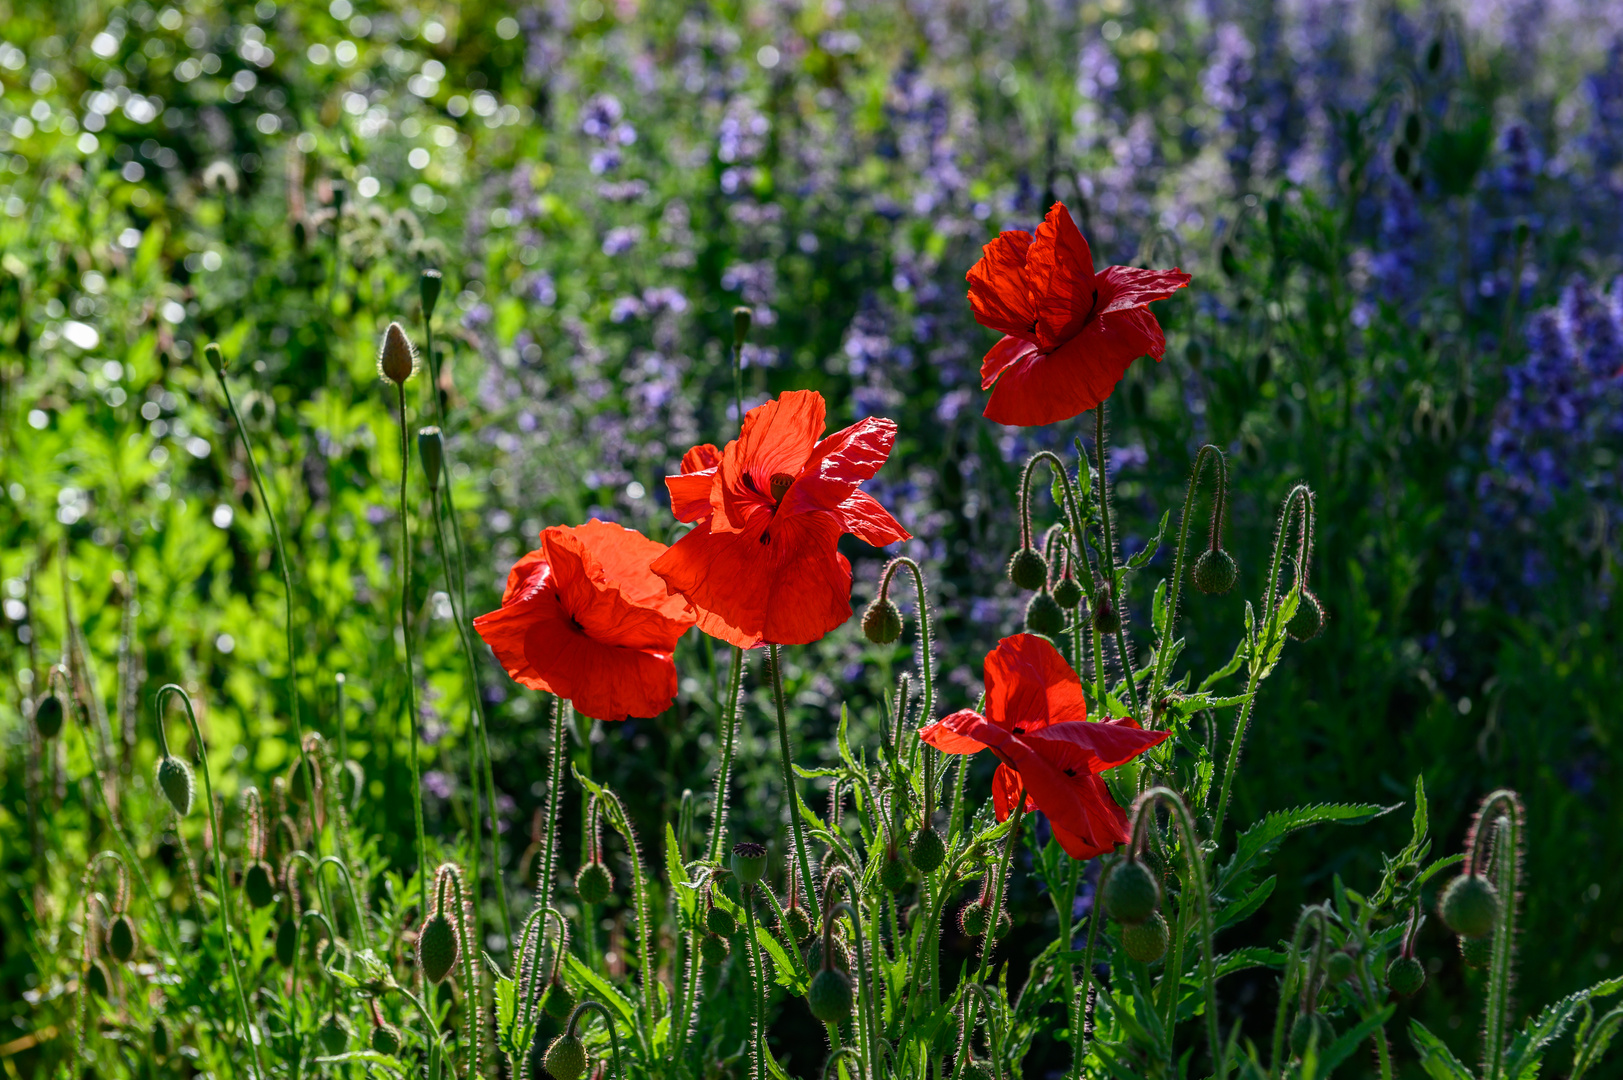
1287 982
1095 917
1109 559
1501 819
411 667
842 875
219 864
837 1055
975 993
1163 653
1142 808
791 793
555 785
472 994
1259 651
361 923
639 888
608 1022
994 905
729 744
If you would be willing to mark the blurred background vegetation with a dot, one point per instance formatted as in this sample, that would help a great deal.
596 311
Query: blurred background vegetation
1405 226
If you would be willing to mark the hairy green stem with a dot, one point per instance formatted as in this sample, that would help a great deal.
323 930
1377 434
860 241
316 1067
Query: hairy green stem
598 1007
1163 652
555 785
1500 822
994 904
757 990
1095 917
411 667
729 744
791 793
1287 982
639 890
1109 561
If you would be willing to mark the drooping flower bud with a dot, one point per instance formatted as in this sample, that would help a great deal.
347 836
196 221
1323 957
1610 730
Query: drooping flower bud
714 949
386 1039
594 883
720 921
121 939
397 359
566 1058
882 622
177 784
558 1001
160 1037
830 996
1477 952
1146 941
796 924
334 1033
1311 1028
1339 967
1405 976
48 716
1106 619
97 979
216 359
431 449
742 317
1308 619
1130 894
972 919
1028 569
928 850
259 885
1067 590
1044 615
893 871
428 287
749 862
1470 906
1214 572
437 947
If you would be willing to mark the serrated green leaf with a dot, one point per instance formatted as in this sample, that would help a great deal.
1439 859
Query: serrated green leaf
584 977
1437 1059
1344 1045
1526 1050
1263 837
1422 813
788 974
1142 559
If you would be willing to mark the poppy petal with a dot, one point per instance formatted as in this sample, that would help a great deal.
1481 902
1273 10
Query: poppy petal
1007 351
1006 789
690 494
1042 389
777 439
1059 268
601 572
1130 287
701 458
605 682
838 464
998 290
1101 832
1093 747
862 516
528 574
955 733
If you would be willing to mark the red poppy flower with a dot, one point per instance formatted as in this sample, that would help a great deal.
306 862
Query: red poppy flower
761 564
1071 333
584 618
1036 723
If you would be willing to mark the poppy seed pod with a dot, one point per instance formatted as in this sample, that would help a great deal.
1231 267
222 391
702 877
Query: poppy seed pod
258 885
1339 967
437 948
594 883
1308 620
1405 976
558 1001
714 949
431 448
749 862
1044 615
397 360
428 287
177 784
48 716
386 1039
830 996
742 317
1146 941
121 939
720 921
216 359
1106 619
1477 952
882 622
334 1033
928 850
796 924
1214 572
566 1058
1131 894
1314 1028
1028 569
1068 592
1470 906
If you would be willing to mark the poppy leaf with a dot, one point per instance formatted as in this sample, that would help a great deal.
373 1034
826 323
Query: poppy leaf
1142 558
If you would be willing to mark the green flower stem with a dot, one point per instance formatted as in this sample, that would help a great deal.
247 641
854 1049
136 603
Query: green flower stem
1109 559
281 556
1298 495
1064 904
757 990
1383 1055
248 1031
362 926
471 991
481 747
842 875
608 1020
729 744
994 905
794 950
639 889
840 1054
1500 821
555 785
1095 917
1075 520
1143 812
926 646
411 667
1163 653
976 994
1287 982
791 793
87 950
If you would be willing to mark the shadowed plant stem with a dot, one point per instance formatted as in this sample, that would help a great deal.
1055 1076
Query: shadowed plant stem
555 784
729 744
1080 1033
411 668
1109 562
791 793
1164 651
994 904
757 989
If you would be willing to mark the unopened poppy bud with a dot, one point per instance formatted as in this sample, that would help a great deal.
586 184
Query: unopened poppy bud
1131 894
1470 906
1434 56
796 924
928 850
1405 976
742 317
1477 952
1044 615
749 862
397 360
1338 967
1028 569
978 1069
1068 592
121 939
566 1058
1147 941
1311 1028
334 1033
882 622
216 359
558 1001
431 448
1215 572
1106 619
160 1037
972 920
176 782
594 883
714 949
428 287
893 872
48 716
720 921
97 979
437 948
287 933
830 996
1308 620
386 1039
258 885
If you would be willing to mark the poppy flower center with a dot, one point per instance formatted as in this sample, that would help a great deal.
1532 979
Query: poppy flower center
780 483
